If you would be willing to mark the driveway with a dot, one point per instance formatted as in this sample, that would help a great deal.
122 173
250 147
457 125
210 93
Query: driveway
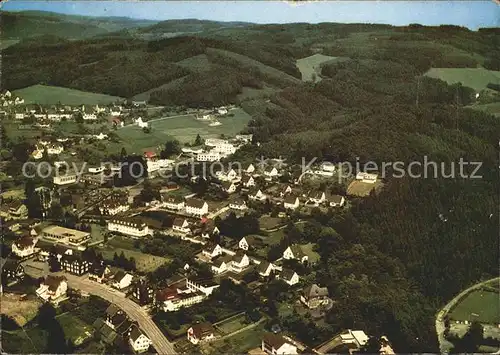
133 310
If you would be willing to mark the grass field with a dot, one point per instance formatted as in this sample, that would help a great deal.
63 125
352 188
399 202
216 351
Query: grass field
362 189
18 342
482 306
21 311
312 65
493 108
476 78
232 324
183 128
239 343
51 95
313 256
144 262
74 328
267 222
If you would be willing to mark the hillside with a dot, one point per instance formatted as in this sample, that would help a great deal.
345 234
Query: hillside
29 24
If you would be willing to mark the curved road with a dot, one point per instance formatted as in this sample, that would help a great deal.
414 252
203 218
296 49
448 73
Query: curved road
445 345
133 310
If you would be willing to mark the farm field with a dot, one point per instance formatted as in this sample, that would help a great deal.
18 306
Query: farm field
311 65
21 311
144 262
51 95
479 305
183 128
475 78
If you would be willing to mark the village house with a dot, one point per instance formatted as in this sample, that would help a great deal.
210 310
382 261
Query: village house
289 276
212 251
295 252
271 173
291 202
75 264
174 203
14 210
201 332
337 201
228 187
132 226
204 286
24 247
366 177
238 204
98 272
115 317
328 167
181 225
256 195
244 243
317 197
207 228
142 291
314 296
240 262
196 207
286 190
12 270
250 169
352 340
274 344
66 235
53 289
114 206
138 341
121 280
248 181
266 268
222 111
221 264
246 138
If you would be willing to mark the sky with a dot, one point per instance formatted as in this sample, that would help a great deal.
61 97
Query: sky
471 14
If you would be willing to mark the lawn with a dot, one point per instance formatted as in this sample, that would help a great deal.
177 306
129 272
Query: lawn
479 305
476 78
268 222
239 343
362 189
184 128
312 65
51 95
233 324
74 328
313 257
144 262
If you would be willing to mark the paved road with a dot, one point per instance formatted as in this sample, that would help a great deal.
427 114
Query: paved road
445 345
133 310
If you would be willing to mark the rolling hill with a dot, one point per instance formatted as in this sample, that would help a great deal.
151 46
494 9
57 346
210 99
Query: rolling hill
29 24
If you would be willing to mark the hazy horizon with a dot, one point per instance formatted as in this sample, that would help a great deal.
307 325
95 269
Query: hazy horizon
471 14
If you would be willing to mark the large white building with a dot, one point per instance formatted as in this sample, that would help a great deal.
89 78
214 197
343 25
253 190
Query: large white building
208 156
65 179
66 235
138 341
132 227
196 207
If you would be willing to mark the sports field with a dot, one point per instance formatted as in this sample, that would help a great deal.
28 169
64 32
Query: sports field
482 306
184 128
476 78
51 95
